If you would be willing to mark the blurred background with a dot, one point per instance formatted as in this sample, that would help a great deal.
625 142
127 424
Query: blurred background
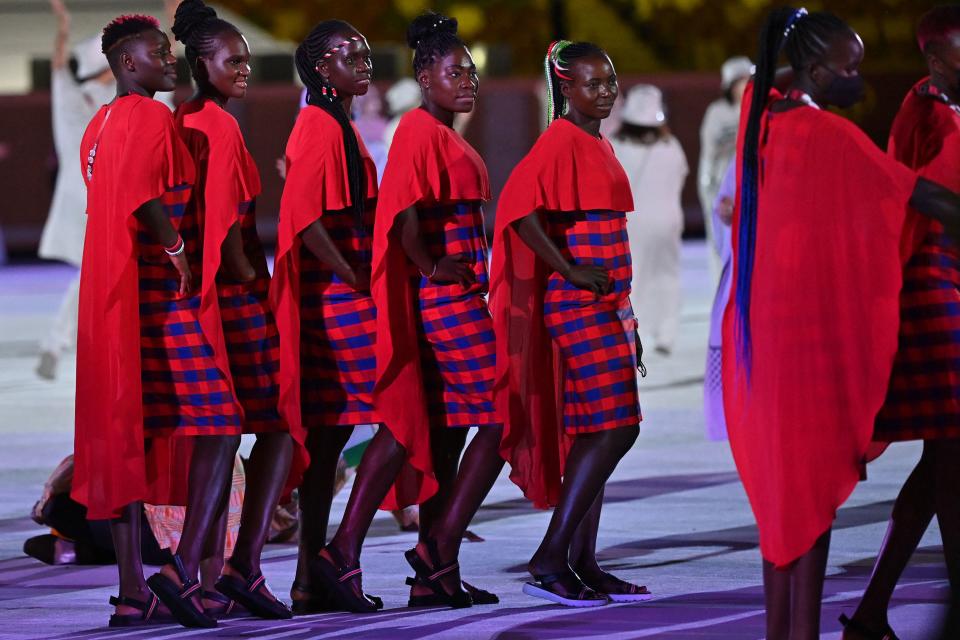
678 45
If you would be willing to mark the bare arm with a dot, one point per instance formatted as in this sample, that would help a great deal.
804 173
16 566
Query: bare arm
234 259
590 277
321 245
59 59
935 201
154 218
453 268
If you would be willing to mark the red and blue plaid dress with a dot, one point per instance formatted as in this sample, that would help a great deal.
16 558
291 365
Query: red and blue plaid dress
595 336
457 343
337 329
253 344
923 399
184 393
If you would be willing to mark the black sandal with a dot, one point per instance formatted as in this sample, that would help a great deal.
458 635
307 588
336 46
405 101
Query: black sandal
543 586
870 634
246 591
430 576
226 607
478 595
180 599
336 576
148 612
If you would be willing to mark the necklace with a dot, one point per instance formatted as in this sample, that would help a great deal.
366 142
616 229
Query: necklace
802 96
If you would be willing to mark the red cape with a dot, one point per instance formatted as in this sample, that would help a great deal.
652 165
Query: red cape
824 319
317 181
428 164
567 170
139 157
226 176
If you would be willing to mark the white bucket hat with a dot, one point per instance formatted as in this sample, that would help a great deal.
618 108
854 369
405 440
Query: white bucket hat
735 69
644 106
90 59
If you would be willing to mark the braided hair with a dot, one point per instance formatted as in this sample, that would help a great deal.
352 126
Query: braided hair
126 27
197 26
431 36
556 65
804 38
320 93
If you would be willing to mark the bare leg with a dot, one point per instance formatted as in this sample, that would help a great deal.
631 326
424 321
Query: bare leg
776 593
212 562
911 516
806 590
445 447
592 459
325 444
125 532
947 481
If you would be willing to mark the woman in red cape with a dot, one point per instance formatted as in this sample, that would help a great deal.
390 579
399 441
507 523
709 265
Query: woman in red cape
435 342
234 311
567 351
806 365
923 399
145 370
321 287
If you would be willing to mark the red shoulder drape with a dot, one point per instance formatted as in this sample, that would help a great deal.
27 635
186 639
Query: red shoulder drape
428 164
226 176
567 170
824 318
138 157
317 181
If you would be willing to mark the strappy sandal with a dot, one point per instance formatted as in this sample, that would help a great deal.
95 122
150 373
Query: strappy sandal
870 634
430 576
629 592
543 586
247 592
336 575
477 595
179 599
149 615
226 607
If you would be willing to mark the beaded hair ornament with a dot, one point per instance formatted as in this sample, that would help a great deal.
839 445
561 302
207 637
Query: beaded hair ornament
553 62
328 55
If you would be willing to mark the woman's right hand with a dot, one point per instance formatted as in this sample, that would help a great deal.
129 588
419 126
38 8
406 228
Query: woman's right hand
186 276
456 268
590 277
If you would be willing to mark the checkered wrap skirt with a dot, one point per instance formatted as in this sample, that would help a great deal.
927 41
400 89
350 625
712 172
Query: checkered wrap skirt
184 393
923 400
253 345
337 330
595 336
457 345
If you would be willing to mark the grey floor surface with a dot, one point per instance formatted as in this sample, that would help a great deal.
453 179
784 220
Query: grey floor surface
676 519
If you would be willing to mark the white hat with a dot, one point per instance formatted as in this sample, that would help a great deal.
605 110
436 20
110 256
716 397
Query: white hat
90 59
403 96
644 106
734 69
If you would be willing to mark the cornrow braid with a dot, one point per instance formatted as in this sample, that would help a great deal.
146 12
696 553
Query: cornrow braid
325 39
804 38
197 26
125 27
431 36
556 67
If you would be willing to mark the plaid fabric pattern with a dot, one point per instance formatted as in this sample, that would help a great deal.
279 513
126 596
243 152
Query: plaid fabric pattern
253 345
184 393
337 330
923 400
457 344
595 336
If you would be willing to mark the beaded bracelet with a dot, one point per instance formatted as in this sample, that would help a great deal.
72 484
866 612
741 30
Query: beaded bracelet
177 248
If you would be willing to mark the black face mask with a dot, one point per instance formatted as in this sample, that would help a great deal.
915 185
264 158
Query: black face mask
844 91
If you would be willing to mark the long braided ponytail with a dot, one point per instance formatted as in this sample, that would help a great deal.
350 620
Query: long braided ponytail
320 93
556 66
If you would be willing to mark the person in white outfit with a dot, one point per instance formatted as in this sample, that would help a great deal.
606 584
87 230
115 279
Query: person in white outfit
718 141
74 99
657 168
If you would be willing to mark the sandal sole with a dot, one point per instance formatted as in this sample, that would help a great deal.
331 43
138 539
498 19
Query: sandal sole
168 592
539 592
629 597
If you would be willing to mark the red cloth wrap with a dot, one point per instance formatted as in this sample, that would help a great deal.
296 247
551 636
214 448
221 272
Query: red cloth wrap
139 156
226 176
317 181
428 164
826 281
567 170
